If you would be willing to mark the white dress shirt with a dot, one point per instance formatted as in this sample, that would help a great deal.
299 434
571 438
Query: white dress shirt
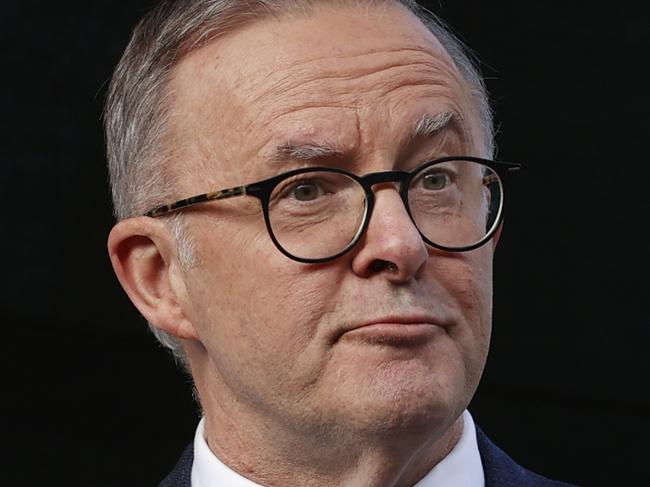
462 467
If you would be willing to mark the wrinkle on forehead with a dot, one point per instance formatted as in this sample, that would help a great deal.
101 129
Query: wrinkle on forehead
241 90
356 83
308 54
345 80
287 48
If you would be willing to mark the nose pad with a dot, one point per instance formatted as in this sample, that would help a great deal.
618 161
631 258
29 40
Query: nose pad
392 243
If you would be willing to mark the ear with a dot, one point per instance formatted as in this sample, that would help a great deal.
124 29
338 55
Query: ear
144 257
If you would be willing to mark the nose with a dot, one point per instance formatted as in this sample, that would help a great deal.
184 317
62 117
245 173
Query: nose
392 244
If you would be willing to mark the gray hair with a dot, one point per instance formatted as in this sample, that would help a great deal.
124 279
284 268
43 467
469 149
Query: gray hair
138 103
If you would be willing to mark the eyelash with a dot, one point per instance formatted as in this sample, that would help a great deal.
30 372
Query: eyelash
290 185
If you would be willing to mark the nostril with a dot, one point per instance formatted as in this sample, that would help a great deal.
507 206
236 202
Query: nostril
383 265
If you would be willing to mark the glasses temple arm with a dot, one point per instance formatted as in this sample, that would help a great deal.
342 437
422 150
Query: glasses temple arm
201 198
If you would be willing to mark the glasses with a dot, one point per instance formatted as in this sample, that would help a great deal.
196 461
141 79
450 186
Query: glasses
317 214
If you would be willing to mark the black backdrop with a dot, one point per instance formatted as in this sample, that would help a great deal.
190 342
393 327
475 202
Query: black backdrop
90 399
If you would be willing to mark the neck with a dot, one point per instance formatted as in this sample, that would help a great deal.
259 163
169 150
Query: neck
309 463
272 452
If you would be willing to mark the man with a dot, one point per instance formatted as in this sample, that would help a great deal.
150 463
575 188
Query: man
308 215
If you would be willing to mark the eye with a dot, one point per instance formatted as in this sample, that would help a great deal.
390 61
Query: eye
306 191
435 180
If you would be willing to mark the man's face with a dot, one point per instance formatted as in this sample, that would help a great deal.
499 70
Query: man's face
351 343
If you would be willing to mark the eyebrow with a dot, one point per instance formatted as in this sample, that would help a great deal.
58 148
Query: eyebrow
430 125
426 127
304 152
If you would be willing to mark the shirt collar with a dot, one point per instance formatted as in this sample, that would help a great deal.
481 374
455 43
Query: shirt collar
208 470
462 467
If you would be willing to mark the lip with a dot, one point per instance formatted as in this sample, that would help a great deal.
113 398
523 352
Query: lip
395 329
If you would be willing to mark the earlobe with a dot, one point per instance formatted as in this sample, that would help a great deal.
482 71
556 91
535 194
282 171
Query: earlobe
143 255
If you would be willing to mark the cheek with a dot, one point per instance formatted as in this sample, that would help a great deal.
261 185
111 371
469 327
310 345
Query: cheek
253 299
467 279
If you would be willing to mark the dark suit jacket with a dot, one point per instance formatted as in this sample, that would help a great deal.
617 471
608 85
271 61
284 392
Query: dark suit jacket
500 470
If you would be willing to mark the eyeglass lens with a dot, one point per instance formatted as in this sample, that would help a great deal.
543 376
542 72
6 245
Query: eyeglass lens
316 215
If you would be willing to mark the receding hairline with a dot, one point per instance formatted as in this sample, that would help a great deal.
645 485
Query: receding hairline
175 29
423 39
206 36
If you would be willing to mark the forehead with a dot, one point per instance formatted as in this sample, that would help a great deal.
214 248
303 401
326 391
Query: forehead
340 75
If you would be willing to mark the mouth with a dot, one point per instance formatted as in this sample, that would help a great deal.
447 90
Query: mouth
395 330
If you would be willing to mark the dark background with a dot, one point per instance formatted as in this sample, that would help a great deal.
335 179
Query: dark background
90 399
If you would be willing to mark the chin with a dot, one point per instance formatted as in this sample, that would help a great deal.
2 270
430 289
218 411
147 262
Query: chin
406 397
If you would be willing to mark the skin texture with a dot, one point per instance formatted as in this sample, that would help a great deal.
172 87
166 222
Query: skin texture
295 389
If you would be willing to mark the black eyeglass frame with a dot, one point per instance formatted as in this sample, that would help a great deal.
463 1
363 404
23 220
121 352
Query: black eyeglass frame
263 190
